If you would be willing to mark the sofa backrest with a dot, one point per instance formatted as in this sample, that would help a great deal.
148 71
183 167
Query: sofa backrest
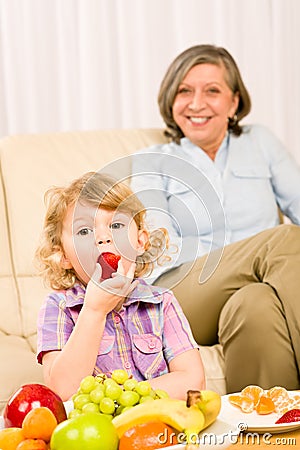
29 165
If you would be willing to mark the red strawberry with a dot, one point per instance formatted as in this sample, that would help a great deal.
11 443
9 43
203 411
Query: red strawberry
109 264
293 415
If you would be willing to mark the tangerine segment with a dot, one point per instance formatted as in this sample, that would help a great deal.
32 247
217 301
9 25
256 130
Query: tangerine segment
295 402
276 399
242 401
278 394
254 392
297 399
265 405
39 423
285 406
148 436
281 398
10 438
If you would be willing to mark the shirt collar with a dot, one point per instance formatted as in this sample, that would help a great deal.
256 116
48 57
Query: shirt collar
188 145
145 293
75 295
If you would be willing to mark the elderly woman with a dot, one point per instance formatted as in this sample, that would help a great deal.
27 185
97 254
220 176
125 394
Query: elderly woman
216 186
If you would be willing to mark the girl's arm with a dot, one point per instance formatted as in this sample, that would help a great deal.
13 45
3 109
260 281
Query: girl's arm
63 370
186 372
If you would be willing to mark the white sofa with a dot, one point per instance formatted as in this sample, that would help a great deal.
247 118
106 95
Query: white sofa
29 165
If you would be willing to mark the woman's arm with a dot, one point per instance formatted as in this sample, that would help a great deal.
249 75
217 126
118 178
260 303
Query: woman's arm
285 173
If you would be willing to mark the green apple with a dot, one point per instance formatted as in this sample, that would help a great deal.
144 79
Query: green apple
93 431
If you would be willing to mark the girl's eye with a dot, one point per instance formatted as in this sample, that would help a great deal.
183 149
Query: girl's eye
117 225
84 231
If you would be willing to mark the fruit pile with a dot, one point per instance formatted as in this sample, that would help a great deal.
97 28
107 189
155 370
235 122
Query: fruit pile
110 413
112 395
275 400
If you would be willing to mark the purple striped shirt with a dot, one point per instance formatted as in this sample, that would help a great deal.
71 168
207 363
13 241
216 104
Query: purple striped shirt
142 337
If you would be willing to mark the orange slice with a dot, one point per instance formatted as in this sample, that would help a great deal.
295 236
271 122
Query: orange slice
265 405
281 398
242 401
276 399
254 392
278 394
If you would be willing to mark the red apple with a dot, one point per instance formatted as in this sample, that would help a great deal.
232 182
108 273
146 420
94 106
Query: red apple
31 396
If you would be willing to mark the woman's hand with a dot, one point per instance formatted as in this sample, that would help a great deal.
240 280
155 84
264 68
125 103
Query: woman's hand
104 296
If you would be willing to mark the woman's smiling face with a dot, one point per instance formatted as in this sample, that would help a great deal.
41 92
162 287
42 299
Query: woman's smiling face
203 104
88 231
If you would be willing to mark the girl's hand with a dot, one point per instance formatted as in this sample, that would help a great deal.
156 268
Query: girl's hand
106 295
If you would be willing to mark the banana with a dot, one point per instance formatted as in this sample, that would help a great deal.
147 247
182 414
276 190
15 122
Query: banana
210 405
175 413
198 412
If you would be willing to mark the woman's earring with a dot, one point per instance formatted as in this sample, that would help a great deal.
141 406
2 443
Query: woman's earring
232 120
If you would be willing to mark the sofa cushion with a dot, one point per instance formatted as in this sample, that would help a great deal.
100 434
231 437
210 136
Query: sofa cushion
213 361
18 366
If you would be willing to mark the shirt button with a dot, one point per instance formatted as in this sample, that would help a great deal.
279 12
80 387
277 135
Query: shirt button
127 365
151 345
117 319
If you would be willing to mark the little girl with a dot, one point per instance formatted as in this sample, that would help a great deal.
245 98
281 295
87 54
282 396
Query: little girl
88 325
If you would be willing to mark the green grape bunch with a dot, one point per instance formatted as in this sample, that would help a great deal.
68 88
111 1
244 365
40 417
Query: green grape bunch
112 395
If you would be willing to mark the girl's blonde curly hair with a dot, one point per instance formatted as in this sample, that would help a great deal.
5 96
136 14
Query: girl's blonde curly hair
100 190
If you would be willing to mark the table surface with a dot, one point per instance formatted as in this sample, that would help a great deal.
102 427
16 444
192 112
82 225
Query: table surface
261 442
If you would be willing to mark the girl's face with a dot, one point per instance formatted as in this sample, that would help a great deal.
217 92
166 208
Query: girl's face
89 231
203 104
